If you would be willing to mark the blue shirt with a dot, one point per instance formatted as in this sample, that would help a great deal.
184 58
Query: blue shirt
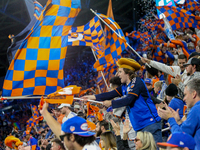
141 109
32 141
190 126
175 104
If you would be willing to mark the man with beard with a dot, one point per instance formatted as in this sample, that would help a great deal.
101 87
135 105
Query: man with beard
193 71
65 109
172 70
101 127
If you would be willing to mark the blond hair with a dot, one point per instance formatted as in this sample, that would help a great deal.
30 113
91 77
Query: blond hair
147 140
158 84
109 140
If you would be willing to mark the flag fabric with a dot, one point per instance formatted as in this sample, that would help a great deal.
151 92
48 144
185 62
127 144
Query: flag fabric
18 39
164 3
113 47
94 111
37 68
159 56
38 9
64 95
192 5
179 18
87 35
16 126
33 120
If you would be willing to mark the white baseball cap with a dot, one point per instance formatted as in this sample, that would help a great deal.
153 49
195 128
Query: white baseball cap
64 104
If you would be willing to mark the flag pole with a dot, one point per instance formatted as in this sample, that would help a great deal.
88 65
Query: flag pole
76 98
39 97
118 35
100 71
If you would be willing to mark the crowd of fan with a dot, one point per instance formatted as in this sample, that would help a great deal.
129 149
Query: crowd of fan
165 84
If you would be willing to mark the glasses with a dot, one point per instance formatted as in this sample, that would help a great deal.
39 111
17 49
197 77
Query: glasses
62 137
136 139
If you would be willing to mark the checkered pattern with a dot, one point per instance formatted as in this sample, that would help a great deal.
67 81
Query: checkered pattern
192 5
33 120
179 18
37 68
38 9
159 56
113 47
86 35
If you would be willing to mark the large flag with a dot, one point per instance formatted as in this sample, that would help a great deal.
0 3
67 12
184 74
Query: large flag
87 35
113 47
17 40
37 68
179 18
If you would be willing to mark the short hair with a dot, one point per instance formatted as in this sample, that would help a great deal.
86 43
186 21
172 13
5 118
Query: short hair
193 85
115 81
59 142
104 123
158 84
182 56
147 140
81 140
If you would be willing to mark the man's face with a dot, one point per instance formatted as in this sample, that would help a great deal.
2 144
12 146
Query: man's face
149 86
54 146
180 64
189 70
121 74
98 130
68 144
63 110
57 113
188 98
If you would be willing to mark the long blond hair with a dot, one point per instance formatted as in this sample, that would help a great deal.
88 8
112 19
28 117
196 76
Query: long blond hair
147 140
109 140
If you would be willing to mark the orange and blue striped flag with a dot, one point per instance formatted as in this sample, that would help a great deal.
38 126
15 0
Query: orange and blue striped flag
90 34
113 47
37 68
179 17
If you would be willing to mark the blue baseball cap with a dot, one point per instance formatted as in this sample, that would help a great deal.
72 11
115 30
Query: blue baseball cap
77 125
148 80
179 140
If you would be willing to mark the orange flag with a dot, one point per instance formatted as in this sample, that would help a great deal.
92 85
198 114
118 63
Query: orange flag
64 95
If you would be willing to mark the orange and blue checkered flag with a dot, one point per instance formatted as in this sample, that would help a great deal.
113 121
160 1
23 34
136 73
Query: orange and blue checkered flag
179 18
192 5
87 35
38 9
37 68
33 120
113 47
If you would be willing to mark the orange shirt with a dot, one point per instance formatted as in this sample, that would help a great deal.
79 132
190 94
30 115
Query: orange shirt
60 118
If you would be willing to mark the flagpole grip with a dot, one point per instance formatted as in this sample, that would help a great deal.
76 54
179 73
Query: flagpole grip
76 98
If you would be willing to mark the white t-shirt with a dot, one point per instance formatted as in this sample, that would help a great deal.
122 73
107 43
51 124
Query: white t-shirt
92 146
70 115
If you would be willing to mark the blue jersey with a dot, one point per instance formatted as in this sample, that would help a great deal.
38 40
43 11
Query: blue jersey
32 141
175 104
141 109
